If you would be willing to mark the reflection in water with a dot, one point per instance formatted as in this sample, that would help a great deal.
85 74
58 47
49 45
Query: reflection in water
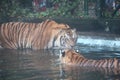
16 65
44 65
90 73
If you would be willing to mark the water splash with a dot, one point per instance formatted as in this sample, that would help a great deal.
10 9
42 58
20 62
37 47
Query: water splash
90 41
97 42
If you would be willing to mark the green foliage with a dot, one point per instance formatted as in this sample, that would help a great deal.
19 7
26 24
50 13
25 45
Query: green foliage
66 8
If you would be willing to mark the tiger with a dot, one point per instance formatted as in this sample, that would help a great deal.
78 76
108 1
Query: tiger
44 35
71 57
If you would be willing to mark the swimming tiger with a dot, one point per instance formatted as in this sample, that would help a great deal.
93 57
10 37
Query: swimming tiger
71 57
45 35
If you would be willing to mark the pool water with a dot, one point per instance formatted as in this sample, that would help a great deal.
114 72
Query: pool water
45 64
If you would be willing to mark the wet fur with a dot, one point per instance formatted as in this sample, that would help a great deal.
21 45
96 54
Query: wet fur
73 58
20 35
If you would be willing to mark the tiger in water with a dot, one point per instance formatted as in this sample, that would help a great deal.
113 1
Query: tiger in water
45 35
71 57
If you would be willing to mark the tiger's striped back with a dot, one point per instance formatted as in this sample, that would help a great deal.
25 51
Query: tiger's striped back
73 58
20 35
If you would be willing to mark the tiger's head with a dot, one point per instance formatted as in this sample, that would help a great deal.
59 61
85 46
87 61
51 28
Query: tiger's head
66 38
70 57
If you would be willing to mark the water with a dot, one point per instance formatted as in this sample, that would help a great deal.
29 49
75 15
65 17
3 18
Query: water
100 41
45 65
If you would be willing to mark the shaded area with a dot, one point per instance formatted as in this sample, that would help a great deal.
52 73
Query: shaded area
87 25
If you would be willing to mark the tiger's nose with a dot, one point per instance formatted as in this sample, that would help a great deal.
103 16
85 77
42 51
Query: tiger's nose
63 54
